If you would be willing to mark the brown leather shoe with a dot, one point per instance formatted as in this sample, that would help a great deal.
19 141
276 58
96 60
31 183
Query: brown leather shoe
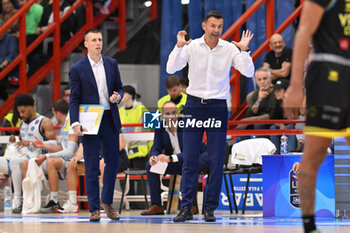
95 216
111 213
154 210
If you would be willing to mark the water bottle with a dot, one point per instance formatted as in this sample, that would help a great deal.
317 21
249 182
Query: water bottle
284 145
7 200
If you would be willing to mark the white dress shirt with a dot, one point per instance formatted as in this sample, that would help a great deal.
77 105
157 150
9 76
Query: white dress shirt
174 143
100 76
209 69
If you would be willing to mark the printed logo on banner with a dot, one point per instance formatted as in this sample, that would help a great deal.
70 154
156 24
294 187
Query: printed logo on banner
293 186
151 120
254 199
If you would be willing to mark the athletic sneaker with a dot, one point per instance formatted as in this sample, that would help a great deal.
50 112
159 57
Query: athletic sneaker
68 207
50 207
17 210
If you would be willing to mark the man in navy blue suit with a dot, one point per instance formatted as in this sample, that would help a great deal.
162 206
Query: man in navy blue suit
167 147
95 79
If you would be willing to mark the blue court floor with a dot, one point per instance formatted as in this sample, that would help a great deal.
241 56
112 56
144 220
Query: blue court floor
132 222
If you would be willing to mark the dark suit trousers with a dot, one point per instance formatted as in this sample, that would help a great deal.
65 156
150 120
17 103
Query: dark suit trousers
153 180
173 168
108 139
216 138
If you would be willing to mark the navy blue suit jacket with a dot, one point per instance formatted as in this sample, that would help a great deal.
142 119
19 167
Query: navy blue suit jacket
84 88
162 143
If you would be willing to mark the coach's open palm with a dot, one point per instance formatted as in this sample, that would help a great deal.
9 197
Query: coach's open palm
243 44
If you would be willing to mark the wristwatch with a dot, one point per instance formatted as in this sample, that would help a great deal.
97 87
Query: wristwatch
171 159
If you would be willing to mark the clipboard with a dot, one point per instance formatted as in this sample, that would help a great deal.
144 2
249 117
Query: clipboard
90 117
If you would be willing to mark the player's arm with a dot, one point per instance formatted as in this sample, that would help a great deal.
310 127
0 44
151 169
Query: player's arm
47 129
49 146
309 21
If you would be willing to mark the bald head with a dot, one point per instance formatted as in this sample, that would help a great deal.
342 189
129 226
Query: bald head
169 112
277 44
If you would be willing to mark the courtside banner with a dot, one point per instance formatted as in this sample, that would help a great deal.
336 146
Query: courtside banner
280 187
254 196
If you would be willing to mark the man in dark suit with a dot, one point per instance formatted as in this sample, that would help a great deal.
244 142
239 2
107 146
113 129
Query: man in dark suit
95 79
167 147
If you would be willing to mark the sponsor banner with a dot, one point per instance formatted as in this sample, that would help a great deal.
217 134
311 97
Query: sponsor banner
280 187
254 196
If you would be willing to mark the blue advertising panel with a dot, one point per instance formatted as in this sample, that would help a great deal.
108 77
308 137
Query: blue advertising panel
254 197
280 187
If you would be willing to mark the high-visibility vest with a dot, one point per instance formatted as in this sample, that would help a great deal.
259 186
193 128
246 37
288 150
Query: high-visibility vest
9 117
180 106
131 116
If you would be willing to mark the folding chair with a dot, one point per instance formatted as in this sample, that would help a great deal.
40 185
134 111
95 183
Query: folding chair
246 156
134 172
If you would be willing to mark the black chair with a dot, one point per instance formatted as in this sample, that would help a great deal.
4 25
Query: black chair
134 172
254 169
205 172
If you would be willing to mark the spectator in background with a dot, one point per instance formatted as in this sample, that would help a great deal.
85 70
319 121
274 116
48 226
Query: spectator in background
175 94
8 52
262 101
280 89
33 17
101 6
66 93
67 26
184 85
278 60
9 10
12 119
130 113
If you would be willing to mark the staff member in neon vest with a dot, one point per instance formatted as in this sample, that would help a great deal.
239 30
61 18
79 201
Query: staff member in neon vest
175 94
132 112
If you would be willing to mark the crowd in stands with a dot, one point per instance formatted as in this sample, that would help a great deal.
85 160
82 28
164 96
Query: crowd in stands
266 102
38 18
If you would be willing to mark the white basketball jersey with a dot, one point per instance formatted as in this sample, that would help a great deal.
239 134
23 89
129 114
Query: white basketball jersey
28 131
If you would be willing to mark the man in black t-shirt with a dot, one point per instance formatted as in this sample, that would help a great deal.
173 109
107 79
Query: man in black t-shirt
278 59
327 90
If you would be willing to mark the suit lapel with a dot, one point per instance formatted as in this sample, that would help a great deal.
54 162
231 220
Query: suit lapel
89 72
167 141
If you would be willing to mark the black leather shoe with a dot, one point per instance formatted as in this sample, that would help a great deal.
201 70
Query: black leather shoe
209 215
184 214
